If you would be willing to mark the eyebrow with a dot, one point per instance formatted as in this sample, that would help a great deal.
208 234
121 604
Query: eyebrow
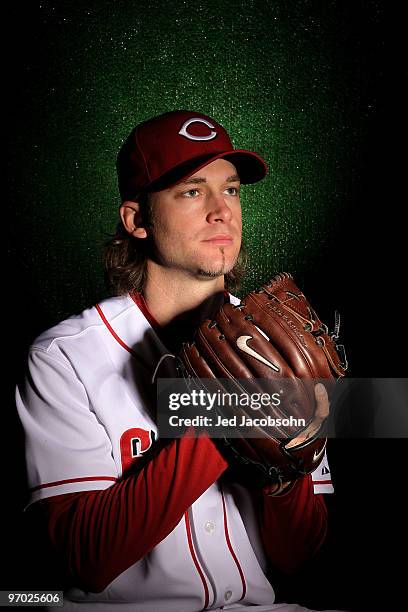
198 179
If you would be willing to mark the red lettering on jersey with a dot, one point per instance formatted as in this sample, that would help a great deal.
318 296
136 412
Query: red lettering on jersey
133 443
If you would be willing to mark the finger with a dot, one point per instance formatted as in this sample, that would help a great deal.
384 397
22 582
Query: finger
320 414
322 402
309 432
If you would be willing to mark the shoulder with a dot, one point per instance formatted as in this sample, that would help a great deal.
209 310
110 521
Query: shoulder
90 321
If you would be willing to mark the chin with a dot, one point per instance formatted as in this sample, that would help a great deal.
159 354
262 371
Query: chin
214 271
217 263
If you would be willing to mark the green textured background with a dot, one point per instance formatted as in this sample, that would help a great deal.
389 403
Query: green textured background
280 76
304 83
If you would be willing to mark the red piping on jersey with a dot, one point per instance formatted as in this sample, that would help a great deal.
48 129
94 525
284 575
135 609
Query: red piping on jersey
114 334
321 482
193 554
140 302
61 482
234 556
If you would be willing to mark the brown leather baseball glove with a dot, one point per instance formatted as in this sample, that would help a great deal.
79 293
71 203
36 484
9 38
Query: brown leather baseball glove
273 340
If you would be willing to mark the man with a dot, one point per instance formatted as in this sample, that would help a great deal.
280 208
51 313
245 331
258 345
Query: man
141 524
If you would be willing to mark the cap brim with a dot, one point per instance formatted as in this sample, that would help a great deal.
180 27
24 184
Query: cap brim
250 166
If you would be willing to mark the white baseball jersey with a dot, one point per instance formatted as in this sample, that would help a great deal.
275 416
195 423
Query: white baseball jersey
87 410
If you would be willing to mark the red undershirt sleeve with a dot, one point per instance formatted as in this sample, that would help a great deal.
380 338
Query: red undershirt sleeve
99 534
293 525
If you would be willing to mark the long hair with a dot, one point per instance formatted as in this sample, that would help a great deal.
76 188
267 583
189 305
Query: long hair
125 258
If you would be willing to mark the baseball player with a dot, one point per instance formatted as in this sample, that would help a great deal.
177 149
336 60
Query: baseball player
141 524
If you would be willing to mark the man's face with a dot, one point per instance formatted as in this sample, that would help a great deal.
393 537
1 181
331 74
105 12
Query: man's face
197 224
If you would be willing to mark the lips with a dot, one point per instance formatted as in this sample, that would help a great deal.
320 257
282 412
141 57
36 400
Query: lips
220 239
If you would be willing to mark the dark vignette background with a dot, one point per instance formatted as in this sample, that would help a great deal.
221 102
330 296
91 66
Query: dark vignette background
303 83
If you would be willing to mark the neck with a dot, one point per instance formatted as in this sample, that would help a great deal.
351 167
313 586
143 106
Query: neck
174 296
179 303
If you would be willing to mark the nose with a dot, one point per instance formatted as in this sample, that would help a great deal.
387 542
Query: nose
218 209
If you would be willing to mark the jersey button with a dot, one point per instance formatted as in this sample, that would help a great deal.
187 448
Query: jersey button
209 527
227 595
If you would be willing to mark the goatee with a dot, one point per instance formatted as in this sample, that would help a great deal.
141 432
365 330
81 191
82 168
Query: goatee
213 273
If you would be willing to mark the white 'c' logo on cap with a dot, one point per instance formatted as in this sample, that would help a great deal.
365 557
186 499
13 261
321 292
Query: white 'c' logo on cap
183 131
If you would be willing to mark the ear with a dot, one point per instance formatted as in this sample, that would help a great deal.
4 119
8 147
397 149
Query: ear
132 219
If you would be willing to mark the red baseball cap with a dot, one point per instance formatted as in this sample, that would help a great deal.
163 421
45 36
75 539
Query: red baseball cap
162 151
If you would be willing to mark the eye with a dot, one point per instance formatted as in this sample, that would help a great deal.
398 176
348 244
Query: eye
190 193
235 190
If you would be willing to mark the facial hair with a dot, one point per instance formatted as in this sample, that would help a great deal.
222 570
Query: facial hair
213 273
